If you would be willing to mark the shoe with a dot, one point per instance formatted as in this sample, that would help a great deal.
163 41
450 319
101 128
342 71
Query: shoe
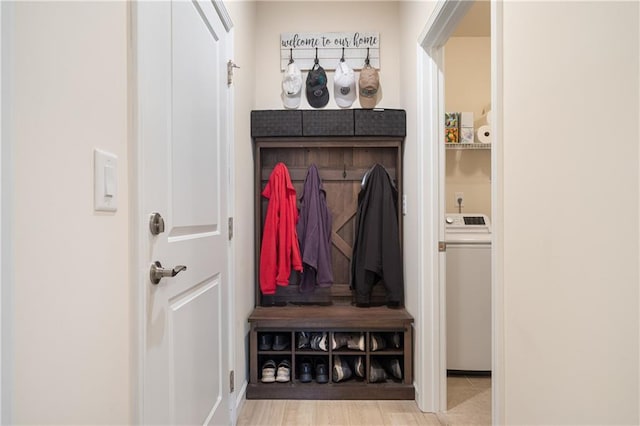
377 342
284 371
341 369
322 375
339 340
303 340
269 372
319 342
359 367
305 371
266 340
395 340
356 341
392 366
280 342
376 372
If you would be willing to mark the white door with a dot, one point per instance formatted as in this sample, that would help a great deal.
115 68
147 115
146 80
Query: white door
183 118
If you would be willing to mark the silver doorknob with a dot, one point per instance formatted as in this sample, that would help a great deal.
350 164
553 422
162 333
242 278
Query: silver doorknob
157 272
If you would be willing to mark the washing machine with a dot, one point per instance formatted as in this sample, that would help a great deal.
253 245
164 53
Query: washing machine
468 293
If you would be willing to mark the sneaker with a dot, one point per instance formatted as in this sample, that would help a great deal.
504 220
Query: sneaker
393 368
376 372
303 340
281 342
319 342
269 372
377 342
305 371
359 367
341 370
339 340
322 376
356 341
284 371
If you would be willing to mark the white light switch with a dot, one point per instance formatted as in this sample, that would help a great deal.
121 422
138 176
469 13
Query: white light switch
105 181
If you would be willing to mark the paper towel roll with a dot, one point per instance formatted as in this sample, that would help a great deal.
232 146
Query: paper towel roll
483 134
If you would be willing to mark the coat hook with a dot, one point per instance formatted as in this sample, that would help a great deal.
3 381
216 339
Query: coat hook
290 55
342 58
366 61
316 61
344 171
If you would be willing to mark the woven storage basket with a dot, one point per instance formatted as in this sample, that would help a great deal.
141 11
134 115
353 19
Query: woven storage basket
327 123
276 123
388 122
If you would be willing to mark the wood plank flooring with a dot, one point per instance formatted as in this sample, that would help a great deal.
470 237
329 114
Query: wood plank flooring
469 404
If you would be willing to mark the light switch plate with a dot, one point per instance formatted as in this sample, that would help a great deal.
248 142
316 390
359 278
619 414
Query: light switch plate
105 181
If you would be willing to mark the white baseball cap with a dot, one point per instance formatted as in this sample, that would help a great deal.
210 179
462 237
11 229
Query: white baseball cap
291 86
344 85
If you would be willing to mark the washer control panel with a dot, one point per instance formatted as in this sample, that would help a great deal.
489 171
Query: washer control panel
457 222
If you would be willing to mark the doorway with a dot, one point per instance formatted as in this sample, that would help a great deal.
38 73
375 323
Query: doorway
444 21
467 187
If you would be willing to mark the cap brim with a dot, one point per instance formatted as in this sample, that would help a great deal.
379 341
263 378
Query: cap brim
291 102
366 102
318 101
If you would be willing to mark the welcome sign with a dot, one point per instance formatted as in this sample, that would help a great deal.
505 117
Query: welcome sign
330 48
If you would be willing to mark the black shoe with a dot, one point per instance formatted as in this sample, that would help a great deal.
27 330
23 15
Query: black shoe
376 372
322 375
319 342
266 340
392 366
281 342
305 371
377 342
303 340
341 369
359 367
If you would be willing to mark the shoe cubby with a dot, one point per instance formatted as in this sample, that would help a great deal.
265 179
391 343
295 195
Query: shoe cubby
357 356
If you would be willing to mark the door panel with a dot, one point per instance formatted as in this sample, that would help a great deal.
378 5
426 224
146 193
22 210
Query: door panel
183 108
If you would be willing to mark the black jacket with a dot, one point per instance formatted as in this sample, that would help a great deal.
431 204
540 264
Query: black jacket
376 248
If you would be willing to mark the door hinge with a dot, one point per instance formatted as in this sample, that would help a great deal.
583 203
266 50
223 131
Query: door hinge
232 385
230 228
442 246
230 66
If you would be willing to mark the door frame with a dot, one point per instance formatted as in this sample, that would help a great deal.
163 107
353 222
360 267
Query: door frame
138 234
431 352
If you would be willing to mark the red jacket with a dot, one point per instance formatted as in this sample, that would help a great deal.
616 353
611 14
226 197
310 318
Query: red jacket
280 250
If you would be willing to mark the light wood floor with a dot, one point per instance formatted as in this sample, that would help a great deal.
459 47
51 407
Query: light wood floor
469 403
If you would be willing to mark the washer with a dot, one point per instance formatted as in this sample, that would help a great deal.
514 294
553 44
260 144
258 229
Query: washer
468 238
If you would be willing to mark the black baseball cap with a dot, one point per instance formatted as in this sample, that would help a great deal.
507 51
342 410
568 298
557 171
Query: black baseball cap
317 91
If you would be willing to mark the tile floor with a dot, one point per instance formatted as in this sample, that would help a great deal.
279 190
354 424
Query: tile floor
469 402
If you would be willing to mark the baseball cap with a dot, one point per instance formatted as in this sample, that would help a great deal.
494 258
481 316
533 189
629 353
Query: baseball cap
291 86
317 91
369 83
344 85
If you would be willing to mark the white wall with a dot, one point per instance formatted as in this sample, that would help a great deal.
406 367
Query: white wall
71 323
413 16
570 208
322 16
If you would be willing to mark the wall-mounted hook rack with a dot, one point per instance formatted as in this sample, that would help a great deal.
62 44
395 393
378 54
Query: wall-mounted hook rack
330 49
